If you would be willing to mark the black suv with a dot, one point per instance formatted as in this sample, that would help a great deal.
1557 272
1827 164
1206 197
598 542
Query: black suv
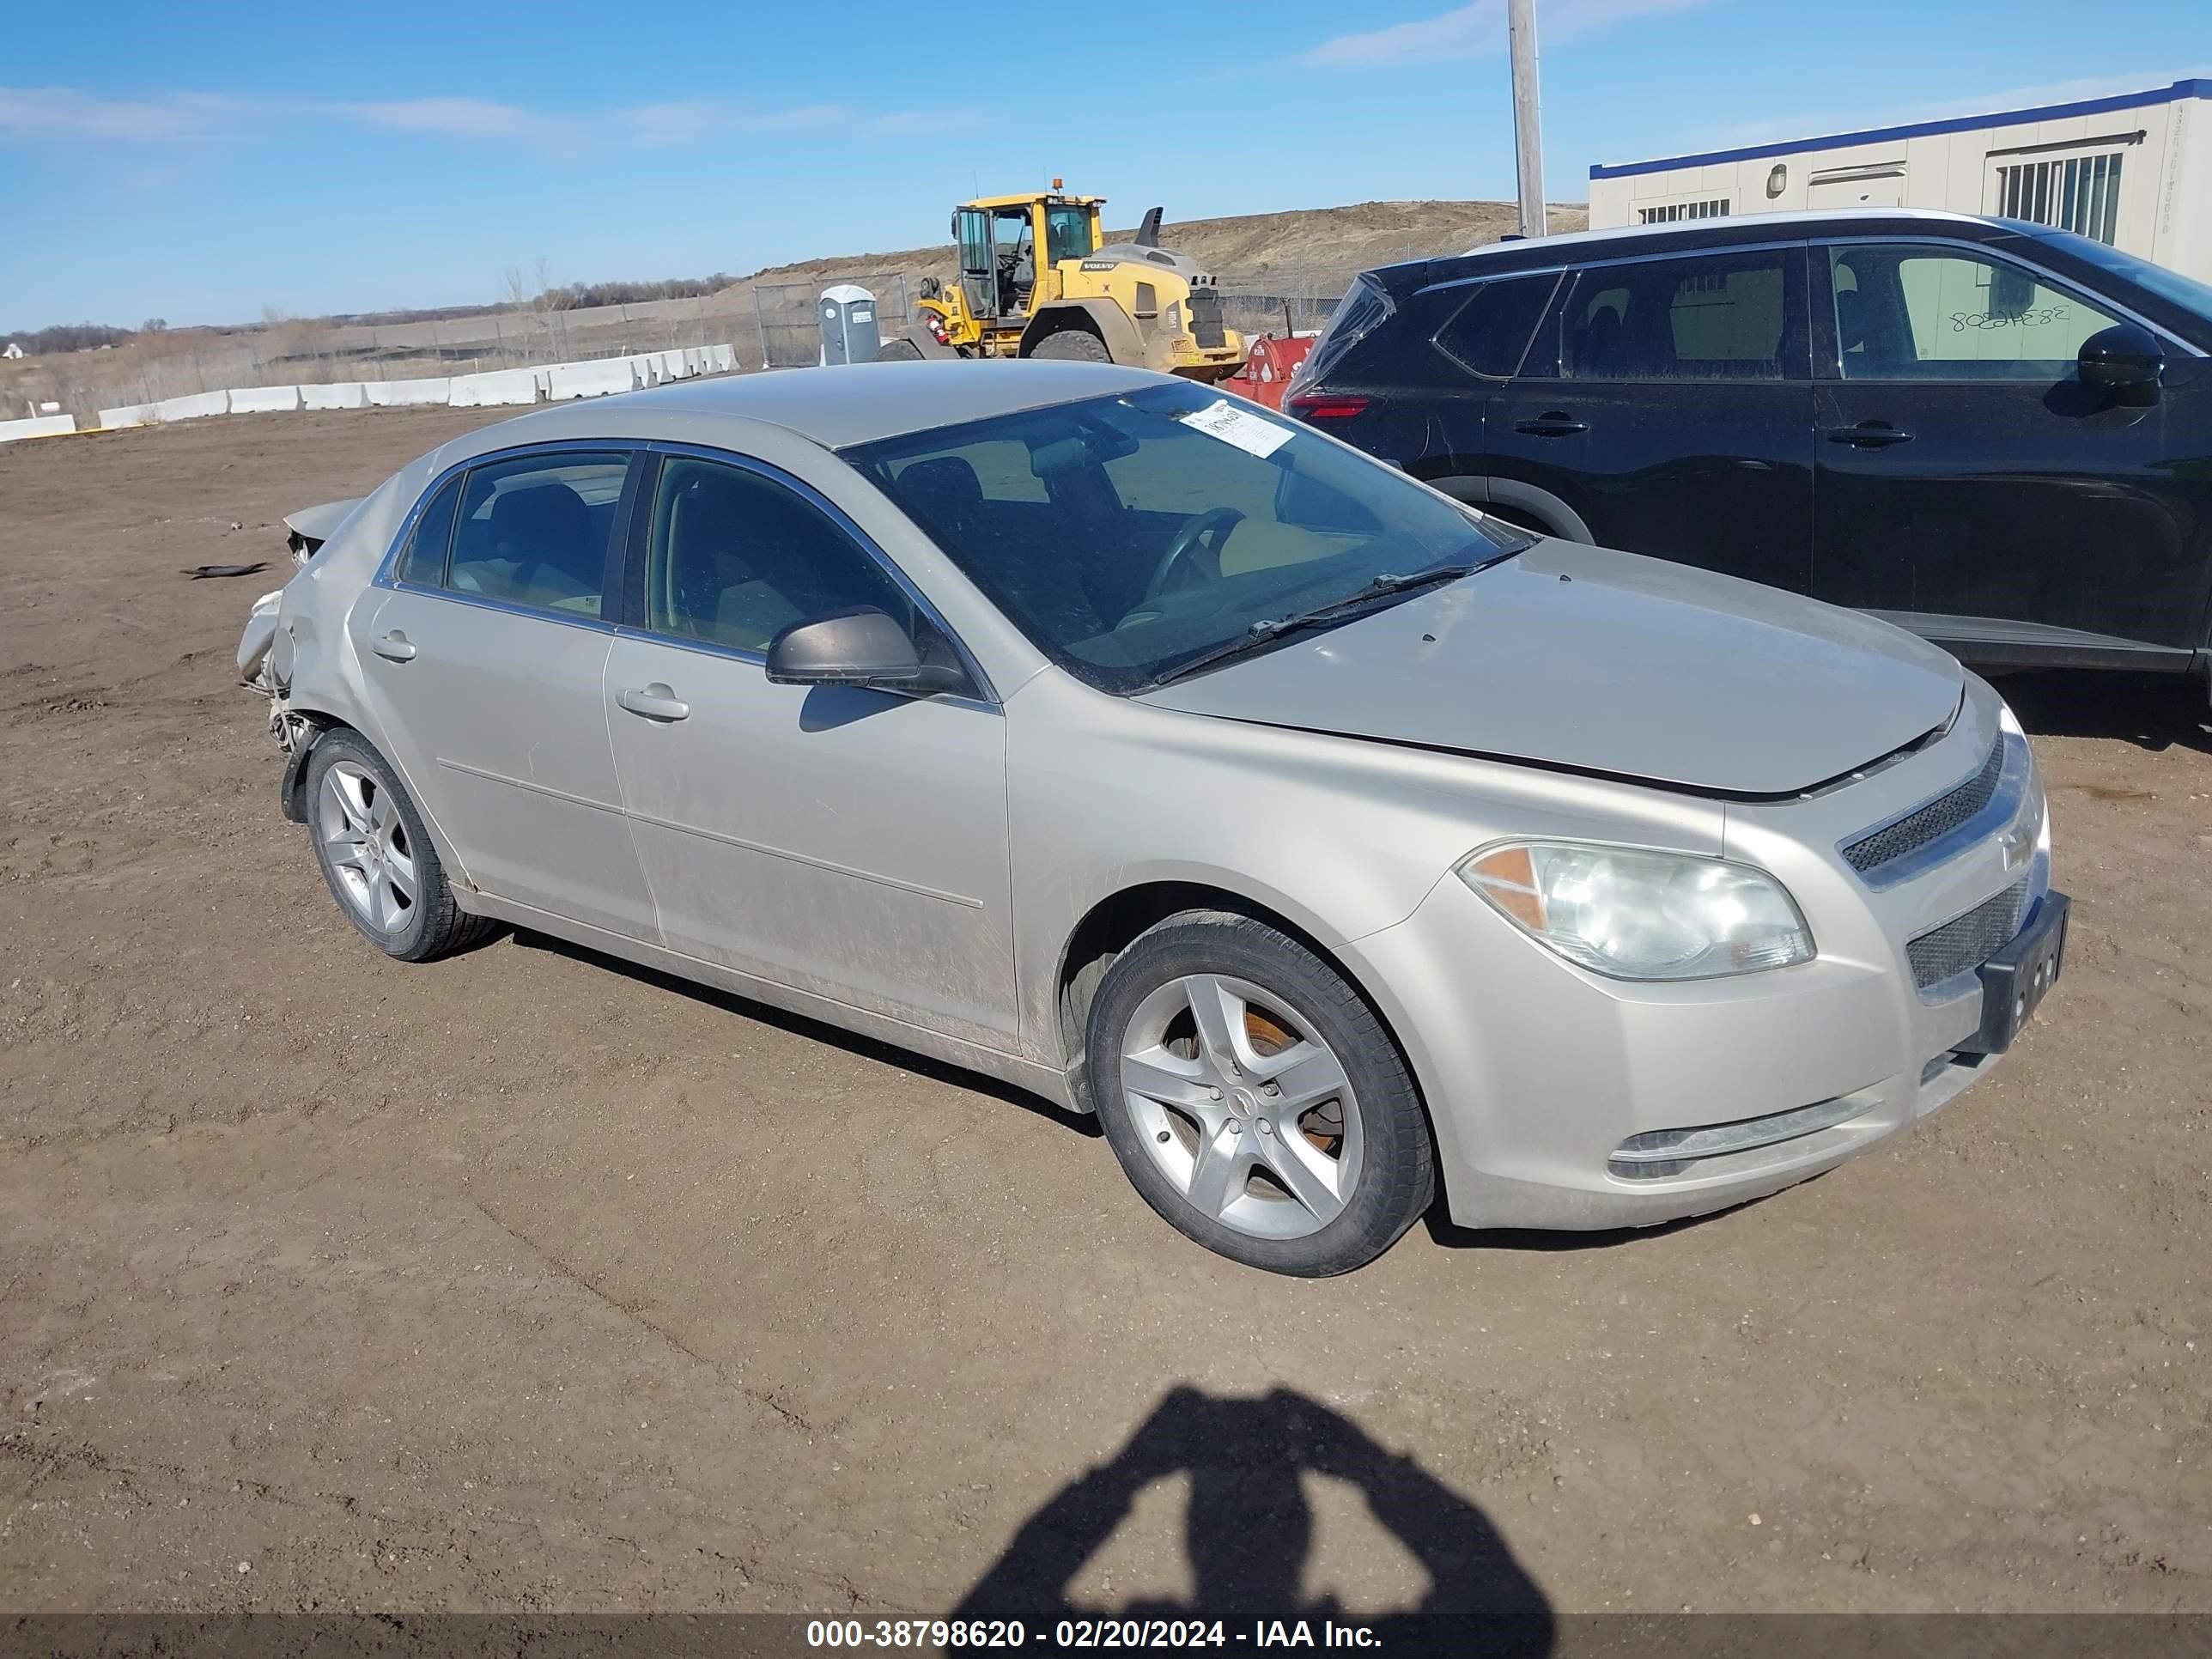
1994 434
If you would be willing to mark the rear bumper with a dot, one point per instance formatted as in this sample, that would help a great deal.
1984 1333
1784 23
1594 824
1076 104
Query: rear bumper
1560 1098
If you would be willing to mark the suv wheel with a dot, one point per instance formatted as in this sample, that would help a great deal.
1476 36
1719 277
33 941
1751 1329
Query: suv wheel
1254 1099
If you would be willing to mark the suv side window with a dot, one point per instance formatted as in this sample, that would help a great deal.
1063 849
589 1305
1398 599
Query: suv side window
424 560
1489 335
736 557
1729 316
1908 311
534 531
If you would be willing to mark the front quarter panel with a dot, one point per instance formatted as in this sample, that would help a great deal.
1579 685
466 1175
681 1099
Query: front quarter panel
1341 837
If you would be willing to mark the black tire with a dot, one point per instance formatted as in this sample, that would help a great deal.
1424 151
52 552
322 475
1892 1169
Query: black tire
898 351
1397 1177
431 924
1074 345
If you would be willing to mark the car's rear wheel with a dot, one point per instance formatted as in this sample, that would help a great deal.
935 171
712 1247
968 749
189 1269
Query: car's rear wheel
1254 1099
377 856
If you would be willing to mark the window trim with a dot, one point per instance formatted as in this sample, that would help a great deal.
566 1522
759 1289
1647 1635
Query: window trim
636 549
1563 299
387 571
1827 355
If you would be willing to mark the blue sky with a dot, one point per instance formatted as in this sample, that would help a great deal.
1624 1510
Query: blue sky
201 161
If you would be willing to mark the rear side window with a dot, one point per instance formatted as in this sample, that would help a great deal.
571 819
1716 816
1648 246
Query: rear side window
1489 334
534 532
424 561
1719 317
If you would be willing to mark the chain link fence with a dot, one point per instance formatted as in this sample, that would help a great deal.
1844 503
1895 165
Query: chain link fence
789 332
1271 300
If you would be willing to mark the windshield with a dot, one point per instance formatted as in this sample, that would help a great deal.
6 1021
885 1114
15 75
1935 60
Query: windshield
2169 285
1127 535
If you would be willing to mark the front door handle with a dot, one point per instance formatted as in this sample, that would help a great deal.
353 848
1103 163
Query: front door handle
1553 423
1869 435
653 703
394 647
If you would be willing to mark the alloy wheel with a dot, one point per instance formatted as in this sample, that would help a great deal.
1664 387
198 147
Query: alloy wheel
1243 1106
365 839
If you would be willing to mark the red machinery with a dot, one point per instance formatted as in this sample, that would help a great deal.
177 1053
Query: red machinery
1267 370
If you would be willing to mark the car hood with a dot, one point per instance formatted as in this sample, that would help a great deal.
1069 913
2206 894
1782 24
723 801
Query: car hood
1603 662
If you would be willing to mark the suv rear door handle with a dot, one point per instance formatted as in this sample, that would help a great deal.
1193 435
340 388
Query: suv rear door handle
654 702
1553 423
394 647
1869 435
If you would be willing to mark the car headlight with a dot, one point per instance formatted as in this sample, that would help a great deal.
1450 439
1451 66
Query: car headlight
1635 914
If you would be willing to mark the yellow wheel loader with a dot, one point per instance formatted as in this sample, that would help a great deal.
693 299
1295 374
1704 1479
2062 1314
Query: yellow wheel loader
1035 282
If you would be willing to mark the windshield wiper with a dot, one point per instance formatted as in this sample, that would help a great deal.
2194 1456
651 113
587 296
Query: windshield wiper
1270 628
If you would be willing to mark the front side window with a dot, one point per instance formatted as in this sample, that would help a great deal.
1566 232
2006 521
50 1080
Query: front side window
1913 312
534 531
736 557
1718 317
1127 535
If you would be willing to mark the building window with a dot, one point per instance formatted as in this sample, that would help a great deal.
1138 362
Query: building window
2080 194
1675 212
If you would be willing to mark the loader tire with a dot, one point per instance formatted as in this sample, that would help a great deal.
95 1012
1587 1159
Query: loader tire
1073 345
898 351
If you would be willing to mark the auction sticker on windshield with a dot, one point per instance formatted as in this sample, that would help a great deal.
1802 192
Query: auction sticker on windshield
1233 425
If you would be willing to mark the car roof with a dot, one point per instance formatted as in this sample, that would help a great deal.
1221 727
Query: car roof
847 404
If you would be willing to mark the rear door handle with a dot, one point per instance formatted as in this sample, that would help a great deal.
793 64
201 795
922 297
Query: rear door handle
654 702
1553 423
1869 435
395 646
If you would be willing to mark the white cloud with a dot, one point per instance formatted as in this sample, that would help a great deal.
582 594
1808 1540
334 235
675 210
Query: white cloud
1477 30
1988 103
63 114
30 115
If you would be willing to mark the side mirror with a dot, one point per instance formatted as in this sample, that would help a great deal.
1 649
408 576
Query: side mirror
2124 357
861 647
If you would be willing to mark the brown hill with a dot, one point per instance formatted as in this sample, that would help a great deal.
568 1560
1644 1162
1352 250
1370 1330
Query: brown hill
1322 246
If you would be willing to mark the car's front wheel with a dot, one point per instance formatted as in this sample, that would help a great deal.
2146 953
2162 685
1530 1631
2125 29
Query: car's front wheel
1254 1099
377 856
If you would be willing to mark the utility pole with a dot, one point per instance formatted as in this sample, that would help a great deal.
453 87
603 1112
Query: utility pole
1527 114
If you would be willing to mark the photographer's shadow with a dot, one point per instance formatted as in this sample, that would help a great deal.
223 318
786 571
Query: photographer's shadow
1248 1528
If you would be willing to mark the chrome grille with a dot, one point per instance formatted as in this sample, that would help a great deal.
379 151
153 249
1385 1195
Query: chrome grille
1940 817
1967 941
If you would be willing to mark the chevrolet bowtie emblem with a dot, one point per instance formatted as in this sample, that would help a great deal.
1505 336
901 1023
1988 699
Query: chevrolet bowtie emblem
2016 842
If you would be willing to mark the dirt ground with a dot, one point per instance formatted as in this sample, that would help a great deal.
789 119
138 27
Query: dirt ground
529 1281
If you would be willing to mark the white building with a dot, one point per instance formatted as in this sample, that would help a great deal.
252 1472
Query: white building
2133 170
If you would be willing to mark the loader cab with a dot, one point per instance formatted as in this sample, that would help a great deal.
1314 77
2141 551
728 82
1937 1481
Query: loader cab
1006 242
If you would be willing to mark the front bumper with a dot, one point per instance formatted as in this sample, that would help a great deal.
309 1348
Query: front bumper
1562 1099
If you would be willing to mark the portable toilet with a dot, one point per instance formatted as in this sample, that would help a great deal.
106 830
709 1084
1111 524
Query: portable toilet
848 324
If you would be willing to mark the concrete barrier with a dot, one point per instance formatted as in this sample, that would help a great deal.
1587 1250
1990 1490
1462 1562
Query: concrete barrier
131 415
263 399
197 406
392 394
725 358
346 394
593 380
494 387
37 426
676 365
